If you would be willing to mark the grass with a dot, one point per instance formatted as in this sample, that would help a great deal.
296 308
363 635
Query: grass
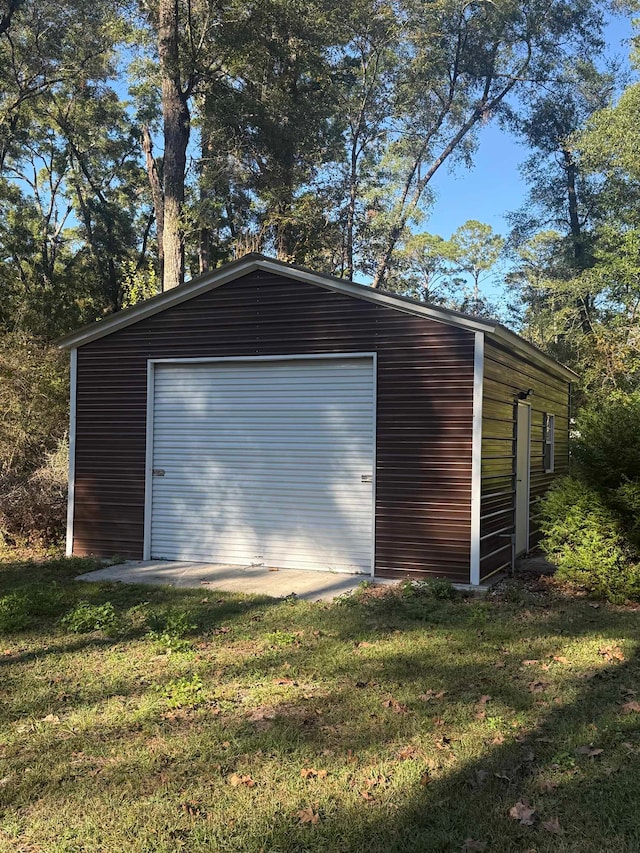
151 719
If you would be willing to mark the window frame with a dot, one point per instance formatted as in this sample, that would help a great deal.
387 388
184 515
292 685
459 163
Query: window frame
549 441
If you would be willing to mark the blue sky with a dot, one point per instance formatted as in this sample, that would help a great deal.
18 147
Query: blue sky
494 186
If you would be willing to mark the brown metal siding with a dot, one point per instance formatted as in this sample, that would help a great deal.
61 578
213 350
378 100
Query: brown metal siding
506 374
424 412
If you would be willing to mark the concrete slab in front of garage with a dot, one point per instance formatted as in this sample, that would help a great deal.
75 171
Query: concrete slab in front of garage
256 580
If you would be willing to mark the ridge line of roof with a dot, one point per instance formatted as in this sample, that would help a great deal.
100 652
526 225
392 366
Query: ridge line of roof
253 262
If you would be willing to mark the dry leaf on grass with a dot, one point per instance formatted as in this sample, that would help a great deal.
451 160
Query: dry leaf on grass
530 662
312 773
396 706
547 786
480 707
431 694
522 812
285 682
235 781
610 653
552 825
538 686
193 810
308 815
631 708
589 751
561 659
407 753
54 719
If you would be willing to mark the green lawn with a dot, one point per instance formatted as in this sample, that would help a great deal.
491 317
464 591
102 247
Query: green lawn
200 721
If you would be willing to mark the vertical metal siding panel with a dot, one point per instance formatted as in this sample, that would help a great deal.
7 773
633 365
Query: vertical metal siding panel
424 412
507 373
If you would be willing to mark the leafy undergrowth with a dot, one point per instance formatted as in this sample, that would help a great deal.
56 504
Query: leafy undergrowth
151 719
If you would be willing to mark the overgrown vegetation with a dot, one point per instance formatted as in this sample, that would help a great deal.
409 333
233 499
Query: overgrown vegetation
403 720
591 520
33 440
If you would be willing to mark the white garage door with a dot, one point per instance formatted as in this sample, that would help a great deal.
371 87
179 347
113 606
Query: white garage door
264 462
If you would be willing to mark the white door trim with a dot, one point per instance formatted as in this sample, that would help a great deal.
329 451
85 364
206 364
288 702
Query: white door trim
523 484
71 491
476 457
148 485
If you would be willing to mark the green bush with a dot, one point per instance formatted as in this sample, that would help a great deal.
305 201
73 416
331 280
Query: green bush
606 445
585 537
86 617
14 613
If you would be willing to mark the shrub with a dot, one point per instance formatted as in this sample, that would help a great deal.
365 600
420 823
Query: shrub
86 617
184 693
33 508
171 635
14 613
606 445
586 539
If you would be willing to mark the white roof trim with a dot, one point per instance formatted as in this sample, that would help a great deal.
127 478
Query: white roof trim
253 263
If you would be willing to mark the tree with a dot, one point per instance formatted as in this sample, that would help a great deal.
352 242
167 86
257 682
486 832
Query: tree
476 249
461 80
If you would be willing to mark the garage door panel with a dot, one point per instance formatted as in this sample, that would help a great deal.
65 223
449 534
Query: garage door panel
264 462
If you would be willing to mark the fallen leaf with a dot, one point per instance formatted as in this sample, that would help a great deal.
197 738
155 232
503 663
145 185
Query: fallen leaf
523 812
394 705
308 815
589 751
499 664
560 659
5 781
51 718
425 778
285 682
547 786
594 605
366 795
407 753
311 772
274 569
193 810
631 708
552 825
498 740
610 653
431 694
235 781
471 845
530 662
538 686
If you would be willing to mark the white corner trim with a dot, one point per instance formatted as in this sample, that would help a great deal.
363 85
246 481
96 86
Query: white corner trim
148 464
476 457
374 461
72 450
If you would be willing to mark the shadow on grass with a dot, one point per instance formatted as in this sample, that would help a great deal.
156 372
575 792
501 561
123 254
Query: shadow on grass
343 715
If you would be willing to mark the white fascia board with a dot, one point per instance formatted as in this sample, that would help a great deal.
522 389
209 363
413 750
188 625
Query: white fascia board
224 275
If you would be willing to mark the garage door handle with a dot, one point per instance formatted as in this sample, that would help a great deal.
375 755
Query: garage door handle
366 478
158 472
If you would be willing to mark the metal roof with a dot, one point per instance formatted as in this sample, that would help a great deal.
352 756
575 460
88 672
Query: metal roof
259 263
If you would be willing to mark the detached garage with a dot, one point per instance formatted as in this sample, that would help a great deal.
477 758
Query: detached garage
264 414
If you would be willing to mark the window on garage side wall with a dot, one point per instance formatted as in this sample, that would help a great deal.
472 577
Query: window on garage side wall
548 431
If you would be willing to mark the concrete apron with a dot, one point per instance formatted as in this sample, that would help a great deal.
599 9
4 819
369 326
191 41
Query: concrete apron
256 580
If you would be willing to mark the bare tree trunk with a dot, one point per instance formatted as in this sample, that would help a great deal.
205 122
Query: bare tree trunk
177 128
584 305
157 194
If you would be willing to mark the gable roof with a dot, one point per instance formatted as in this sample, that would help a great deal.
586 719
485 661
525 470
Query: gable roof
259 263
